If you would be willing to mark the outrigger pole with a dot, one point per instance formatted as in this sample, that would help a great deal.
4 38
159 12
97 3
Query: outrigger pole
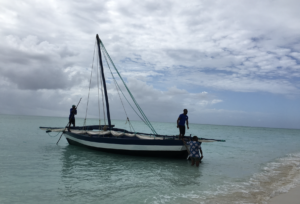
104 83
68 123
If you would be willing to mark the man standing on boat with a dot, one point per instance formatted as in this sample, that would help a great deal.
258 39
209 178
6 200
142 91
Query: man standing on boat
183 118
73 112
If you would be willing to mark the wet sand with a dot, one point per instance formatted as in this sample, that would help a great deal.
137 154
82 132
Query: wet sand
291 197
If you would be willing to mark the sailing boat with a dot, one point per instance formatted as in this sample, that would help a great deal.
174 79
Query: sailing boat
111 139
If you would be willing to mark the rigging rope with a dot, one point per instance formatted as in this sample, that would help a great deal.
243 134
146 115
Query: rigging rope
137 105
117 87
53 135
145 120
84 123
106 56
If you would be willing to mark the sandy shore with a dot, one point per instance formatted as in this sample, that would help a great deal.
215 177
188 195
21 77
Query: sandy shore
291 197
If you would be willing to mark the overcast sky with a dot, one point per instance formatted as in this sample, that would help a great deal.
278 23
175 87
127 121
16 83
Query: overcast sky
231 62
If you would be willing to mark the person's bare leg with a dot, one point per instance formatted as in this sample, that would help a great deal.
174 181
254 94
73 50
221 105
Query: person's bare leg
197 163
193 162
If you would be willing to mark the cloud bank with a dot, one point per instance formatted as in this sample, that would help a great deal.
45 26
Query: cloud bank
173 55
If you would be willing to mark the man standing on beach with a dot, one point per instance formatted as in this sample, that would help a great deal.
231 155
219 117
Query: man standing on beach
73 112
183 118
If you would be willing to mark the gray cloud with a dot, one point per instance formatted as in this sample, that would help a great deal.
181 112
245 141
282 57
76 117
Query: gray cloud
176 46
31 64
158 106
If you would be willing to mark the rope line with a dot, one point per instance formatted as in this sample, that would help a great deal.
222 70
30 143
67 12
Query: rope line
126 97
53 135
137 105
146 121
87 105
118 91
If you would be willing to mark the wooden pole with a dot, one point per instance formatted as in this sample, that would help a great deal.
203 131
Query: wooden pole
68 123
104 83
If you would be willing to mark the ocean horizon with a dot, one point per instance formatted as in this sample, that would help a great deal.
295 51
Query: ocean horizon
95 118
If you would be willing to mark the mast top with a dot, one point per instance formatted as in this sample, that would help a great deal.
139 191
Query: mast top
97 37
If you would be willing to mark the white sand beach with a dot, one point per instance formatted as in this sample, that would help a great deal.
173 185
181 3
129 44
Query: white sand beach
291 197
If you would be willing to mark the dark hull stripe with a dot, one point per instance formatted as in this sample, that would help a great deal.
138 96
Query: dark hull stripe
169 154
125 140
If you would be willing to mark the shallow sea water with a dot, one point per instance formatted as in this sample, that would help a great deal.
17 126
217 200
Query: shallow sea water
253 165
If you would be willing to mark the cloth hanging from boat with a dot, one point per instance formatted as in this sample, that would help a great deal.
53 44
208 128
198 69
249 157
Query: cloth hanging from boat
114 133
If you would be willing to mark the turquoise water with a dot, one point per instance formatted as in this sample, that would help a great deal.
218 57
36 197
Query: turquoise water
253 165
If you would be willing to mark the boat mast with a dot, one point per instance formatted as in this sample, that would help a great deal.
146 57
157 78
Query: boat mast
104 83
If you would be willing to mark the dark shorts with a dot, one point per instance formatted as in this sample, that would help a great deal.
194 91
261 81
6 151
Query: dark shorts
72 121
196 158
182 129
